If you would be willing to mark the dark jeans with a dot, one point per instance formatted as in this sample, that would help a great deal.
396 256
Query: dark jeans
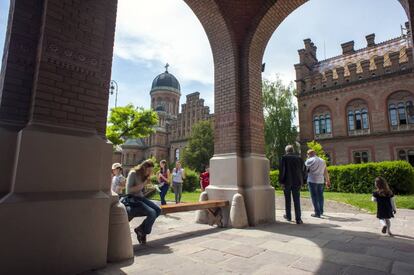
292 191
316 192
143 207
164 190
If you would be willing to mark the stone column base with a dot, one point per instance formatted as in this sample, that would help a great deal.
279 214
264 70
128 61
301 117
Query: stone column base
249 175
55 218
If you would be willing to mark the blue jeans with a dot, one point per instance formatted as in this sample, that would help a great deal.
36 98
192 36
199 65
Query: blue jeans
143 207
316 192
164 190
294 192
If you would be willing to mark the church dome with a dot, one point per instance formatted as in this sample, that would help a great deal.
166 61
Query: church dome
166 81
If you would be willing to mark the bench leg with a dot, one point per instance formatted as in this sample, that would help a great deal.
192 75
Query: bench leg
217 217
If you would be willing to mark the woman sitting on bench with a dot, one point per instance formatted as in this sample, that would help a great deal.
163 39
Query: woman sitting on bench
135 202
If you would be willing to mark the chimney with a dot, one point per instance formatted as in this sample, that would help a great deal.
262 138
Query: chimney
348 47
370 40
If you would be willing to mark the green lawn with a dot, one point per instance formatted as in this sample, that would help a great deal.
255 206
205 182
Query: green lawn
361 201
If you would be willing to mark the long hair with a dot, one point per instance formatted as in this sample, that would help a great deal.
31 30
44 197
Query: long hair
165 168
382 187
140 168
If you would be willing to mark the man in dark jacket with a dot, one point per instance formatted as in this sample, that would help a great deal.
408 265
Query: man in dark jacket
292 172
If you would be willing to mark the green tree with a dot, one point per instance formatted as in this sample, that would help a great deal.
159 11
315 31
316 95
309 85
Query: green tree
200 147
317 147
130 122
279 114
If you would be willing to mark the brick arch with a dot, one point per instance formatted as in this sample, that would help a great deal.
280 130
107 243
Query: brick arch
225 57
320 106
387 98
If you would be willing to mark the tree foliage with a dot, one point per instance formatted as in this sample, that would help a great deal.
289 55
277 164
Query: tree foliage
200 147
317 147
279 115
130 122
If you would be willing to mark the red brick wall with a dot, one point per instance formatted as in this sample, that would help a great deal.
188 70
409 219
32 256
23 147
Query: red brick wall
375 93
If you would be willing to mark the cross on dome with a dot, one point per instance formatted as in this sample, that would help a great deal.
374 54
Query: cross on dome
166 67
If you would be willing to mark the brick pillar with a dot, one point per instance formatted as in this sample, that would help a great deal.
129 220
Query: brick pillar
54 96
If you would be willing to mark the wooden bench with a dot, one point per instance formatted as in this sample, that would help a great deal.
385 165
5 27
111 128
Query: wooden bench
212 206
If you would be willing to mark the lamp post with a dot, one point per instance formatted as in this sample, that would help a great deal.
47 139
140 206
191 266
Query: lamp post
114 86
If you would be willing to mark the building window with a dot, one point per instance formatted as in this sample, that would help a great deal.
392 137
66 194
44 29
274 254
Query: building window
401 110
406 155
410 111
361 157
351 124
358 119
393 115
177 154
323 124
365 124
316 123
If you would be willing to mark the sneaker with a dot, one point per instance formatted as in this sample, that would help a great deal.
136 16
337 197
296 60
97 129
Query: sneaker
141 236
286 218
315 216
384 229
299 222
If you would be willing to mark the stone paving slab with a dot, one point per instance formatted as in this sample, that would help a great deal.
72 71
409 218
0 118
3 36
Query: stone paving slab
341 243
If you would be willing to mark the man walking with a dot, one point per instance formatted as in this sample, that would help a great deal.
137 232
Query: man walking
317 176
292 173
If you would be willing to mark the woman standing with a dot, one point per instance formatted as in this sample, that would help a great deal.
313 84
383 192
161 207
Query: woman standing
163 180
135 202
118 180
205 179
178 178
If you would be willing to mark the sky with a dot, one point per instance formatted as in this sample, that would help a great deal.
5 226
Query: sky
150 33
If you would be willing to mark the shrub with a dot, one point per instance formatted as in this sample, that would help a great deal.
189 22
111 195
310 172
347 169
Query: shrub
359 178
191 181
274 179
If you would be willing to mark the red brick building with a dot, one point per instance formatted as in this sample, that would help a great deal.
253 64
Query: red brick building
359 105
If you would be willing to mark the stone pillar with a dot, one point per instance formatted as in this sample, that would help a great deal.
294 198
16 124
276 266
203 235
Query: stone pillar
54 204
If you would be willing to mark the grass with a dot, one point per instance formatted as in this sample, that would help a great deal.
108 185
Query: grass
360 201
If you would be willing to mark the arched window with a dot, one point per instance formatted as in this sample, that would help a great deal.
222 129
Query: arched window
365 124
322 124
316 124
351 123
393 115
402 117
358 120
410 111
328 123
401 110
358 117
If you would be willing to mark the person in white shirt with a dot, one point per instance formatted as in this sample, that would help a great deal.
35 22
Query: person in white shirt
178 176
318 177
118 180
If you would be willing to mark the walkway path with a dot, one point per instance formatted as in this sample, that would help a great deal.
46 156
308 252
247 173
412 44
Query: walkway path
342 243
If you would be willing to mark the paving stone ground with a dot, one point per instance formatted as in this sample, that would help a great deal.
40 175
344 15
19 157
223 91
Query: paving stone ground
340 243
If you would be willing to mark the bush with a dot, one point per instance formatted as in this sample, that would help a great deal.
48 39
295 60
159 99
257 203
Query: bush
359 178
191 181
274 179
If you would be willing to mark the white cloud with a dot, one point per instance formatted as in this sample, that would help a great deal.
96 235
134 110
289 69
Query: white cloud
160 31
